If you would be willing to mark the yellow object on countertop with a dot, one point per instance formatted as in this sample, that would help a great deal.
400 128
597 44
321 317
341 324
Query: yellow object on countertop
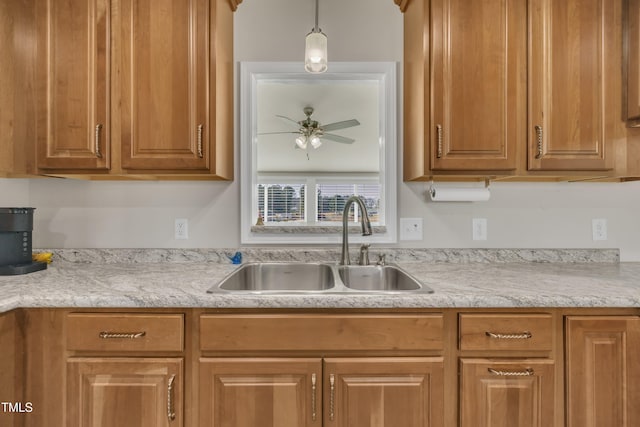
42 257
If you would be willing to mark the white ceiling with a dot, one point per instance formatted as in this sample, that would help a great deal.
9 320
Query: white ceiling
332 101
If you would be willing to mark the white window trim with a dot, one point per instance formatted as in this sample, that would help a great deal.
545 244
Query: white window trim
250 73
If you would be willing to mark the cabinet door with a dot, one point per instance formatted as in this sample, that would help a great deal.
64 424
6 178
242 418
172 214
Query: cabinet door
510 393
124 392
164 54
633 63
603 376
479 84
572 69
73 85
384 392
250 392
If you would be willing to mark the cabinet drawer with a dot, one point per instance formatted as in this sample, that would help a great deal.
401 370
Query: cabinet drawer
505 332
125 332
305 332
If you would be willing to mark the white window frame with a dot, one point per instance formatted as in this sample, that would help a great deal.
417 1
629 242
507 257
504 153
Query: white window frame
250 74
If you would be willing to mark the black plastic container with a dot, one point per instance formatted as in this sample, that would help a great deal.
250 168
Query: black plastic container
16 227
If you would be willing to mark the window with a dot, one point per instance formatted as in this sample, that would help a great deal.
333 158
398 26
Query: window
298 192
332 197
278 203
284 204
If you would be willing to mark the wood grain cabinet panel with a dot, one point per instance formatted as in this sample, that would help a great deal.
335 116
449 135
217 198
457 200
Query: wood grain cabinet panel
515 332
73 91
12 370
125 332
479 84
164 58
573 47
507 393
633 63
321 332
277 392
603 372
135 87
391 392
124 392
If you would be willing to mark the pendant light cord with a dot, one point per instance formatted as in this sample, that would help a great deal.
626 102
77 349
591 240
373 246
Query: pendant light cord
316 29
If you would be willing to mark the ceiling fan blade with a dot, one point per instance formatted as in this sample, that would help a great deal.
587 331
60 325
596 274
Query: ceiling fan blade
338 138
275 133
340 125
288 120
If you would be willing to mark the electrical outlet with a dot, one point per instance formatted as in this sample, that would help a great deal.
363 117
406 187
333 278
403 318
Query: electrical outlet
410 228
599 229
181 229
479 228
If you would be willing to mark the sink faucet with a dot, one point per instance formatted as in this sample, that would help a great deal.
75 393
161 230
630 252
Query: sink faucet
364 224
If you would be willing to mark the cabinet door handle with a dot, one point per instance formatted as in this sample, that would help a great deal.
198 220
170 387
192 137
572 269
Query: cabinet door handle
313 397
171 413
97 140
518 336
129 335
439 139
526 373
538 129
200 152
332 396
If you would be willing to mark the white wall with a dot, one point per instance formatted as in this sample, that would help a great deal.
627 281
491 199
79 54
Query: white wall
140 214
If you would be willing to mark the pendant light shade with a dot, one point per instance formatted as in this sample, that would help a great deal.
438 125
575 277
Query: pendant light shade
315 52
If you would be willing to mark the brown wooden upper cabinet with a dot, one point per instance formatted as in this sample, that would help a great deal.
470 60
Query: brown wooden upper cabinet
572 63
511 87
633 63
479 83
135 87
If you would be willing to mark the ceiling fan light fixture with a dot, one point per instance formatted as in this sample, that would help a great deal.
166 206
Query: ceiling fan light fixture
301 141
315 142
315 52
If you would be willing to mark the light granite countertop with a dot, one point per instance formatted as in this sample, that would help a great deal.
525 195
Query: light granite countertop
460 278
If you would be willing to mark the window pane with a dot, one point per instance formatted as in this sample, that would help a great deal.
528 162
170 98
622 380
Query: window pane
281 202
332 197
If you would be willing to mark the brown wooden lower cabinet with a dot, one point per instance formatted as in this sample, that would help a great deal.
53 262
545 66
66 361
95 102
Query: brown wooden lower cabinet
603 371
299 392
124 392
384 392
452 368
507 393
249 392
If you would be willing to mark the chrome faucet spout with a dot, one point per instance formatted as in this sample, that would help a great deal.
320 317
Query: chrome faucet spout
365 225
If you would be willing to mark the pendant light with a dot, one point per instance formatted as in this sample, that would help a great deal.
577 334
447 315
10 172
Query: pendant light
315 52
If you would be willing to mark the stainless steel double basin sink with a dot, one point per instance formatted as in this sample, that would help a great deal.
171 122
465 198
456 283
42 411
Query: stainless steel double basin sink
318 278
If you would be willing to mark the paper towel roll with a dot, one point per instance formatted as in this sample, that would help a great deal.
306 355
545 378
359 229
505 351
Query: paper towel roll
459 194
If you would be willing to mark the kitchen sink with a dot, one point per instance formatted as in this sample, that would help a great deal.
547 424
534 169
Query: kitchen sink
276 277
380 278
311 278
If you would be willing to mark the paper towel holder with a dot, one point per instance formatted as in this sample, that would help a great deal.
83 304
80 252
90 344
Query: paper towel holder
459 194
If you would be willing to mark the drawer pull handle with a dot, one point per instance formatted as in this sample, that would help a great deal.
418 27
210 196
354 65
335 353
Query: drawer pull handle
332 397
171 413
129 335
526 373
522 336
313 397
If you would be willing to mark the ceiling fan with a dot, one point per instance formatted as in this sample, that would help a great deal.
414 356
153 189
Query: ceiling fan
310 131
